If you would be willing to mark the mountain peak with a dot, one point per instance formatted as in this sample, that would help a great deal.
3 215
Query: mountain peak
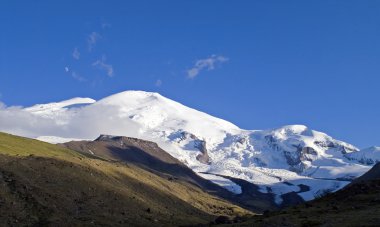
296 129
46 109
267 158
132 95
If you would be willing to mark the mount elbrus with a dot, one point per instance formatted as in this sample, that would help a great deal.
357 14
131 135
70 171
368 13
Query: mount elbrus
278 162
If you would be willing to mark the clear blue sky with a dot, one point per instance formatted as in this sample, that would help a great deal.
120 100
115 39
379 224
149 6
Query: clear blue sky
261 64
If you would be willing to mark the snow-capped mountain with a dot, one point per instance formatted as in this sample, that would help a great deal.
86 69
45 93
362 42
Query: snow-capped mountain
368 156
290 158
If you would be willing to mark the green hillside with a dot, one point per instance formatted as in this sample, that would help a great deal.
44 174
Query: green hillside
43 184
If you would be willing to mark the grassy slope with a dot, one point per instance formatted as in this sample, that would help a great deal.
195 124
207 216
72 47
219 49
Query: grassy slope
42 183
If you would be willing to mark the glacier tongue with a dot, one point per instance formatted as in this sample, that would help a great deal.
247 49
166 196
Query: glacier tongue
278 160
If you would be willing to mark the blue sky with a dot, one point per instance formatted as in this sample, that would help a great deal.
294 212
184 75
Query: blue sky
258 64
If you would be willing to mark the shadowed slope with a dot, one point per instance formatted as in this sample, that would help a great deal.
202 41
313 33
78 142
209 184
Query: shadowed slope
151 157
142 153
372 174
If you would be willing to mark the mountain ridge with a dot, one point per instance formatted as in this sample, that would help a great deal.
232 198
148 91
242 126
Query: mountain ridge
277 160
150 157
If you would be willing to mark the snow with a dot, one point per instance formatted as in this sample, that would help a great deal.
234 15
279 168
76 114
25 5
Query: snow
320 187
368 156
222 181
267 158
45 109
56 139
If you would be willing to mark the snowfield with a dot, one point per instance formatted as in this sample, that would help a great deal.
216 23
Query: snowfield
277 160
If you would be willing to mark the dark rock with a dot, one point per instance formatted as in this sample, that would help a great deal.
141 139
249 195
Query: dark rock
308 205
223 220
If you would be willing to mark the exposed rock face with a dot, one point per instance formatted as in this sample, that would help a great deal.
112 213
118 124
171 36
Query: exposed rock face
364 161
272 142
299 155
330 145
203 157
296 156
307 154
309 150
193 142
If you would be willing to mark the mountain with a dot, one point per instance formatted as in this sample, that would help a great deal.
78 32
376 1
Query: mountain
47 185
146 155
149 156
368 156
357 204
291 160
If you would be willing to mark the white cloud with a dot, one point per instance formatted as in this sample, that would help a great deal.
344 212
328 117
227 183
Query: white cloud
88 123
158 83
76 54
77 77
205 64
74 74
105 25
101 64
17 121
92 39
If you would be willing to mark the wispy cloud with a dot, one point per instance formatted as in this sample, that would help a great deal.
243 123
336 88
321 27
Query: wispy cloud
158 83
76 54
205 64
105 25
101 64
77 77
92 39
